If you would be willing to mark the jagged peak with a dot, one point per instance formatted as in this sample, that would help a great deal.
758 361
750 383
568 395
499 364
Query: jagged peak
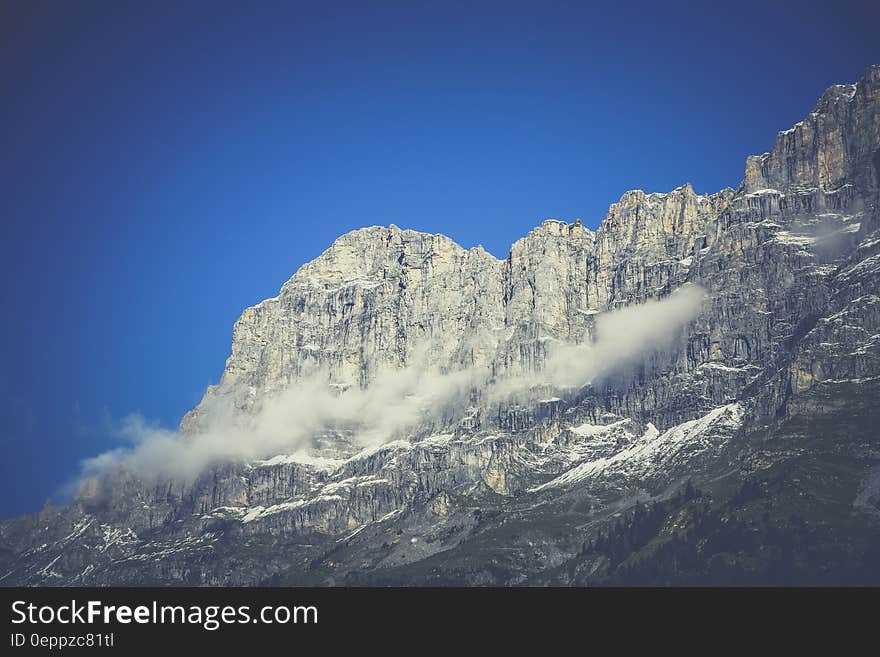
844 92
640 194
396 239
391 230
553 228
391 236
359 254
835 96
635 197
835 93
559 224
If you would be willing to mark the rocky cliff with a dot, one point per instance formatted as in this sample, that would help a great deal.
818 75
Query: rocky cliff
756 412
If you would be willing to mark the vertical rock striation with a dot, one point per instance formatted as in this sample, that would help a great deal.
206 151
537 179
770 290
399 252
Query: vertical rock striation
790 262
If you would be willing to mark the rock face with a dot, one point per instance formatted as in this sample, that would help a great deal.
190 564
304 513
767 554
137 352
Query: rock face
758 410
382 297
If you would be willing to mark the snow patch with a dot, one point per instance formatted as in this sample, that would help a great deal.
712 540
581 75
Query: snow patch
726 368
787 238
650 448
302 458
260 512
588 429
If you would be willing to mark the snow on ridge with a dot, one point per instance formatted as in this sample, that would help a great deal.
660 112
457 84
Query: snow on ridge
437 439
649 448
792 128
264 302
391 446
260 512
302 458
587 429
356 481
329 492
765 191
726 368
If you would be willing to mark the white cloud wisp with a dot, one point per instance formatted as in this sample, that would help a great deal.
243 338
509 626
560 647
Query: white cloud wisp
396 404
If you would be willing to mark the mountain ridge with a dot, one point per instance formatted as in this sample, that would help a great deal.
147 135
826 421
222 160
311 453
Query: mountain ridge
438 436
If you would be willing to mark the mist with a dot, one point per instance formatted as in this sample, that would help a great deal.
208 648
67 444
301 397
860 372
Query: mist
621 337
397 404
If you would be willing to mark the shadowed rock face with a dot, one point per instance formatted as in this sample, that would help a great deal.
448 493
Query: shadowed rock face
787 338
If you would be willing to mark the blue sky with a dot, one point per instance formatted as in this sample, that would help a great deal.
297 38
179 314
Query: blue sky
162 169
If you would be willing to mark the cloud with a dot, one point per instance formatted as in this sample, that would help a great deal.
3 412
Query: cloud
621 337
397 404
625 335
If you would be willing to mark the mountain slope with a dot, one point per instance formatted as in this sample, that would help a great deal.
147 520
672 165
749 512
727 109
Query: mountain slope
407 411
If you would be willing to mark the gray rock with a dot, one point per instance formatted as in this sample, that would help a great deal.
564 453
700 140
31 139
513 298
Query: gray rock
790 262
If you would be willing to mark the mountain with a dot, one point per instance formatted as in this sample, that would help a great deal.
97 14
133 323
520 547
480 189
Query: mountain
686 395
